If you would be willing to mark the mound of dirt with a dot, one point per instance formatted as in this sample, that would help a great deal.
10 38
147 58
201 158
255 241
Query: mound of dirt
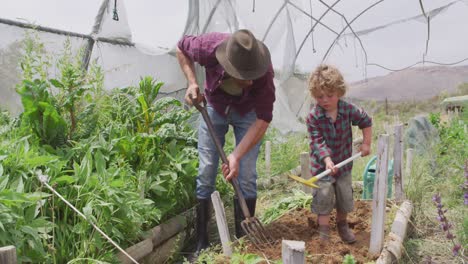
301 225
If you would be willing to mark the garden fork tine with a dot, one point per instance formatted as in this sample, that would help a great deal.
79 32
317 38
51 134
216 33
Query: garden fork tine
251 225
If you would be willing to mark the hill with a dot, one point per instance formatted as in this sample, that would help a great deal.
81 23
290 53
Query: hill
419 83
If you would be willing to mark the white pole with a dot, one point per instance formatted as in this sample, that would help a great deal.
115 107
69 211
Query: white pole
221 223
268 159
379 197
409 161
397 158
305 172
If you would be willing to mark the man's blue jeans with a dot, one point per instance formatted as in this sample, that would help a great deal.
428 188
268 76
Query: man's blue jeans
209 157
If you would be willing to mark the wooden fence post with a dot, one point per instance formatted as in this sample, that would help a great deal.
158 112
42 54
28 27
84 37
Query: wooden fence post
397 158
379 196
293 252
268 159
221 222
305 172
8 255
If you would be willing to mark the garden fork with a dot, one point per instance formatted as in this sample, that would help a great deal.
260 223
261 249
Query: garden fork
251 225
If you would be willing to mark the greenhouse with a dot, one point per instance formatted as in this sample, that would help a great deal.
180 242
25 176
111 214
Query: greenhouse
107 157
457 102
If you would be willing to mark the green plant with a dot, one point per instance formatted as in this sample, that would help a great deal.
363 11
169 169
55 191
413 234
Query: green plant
72 84
54 117
40 115
298 199
22 225
349 259
246 258
125 158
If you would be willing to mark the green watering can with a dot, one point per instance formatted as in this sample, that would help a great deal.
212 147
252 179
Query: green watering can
369 176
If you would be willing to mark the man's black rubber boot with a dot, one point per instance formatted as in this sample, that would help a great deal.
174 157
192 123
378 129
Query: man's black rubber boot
239 216
201 229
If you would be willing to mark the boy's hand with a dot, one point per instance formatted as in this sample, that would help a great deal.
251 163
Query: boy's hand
329 165
365 150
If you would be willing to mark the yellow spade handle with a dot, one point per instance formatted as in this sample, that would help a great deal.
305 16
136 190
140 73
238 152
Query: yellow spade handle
339 165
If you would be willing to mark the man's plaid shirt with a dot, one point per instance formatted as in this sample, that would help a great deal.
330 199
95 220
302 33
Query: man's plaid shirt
334 139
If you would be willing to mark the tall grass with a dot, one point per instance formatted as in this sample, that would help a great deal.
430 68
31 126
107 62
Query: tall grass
439 171
285 152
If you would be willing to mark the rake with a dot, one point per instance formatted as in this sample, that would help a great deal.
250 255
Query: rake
311 182
251 225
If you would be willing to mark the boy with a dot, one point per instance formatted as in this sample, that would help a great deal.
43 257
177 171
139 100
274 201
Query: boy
329 126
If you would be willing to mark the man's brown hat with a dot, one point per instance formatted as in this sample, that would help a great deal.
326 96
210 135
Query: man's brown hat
243 56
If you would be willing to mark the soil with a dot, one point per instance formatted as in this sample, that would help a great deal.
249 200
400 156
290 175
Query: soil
301 225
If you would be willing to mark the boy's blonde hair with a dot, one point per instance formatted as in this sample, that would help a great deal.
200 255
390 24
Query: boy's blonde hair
326 79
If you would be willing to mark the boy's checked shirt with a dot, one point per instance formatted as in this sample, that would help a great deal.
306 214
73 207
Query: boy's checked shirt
334 139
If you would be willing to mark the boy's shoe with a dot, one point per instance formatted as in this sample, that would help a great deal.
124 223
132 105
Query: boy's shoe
345 233
324 232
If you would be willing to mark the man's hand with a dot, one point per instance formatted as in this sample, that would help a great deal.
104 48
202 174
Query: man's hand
365 150
193 92
329 165
231 170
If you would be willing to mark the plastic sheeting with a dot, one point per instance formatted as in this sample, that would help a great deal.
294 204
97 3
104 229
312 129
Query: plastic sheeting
363 38
421 135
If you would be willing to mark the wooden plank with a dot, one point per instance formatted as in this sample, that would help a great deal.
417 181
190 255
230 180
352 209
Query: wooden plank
164 231
399 229
293 252
379 196
157 236
397 158
137 251
409 162
8 255
386 258
161 253
221 223
268 159
305 171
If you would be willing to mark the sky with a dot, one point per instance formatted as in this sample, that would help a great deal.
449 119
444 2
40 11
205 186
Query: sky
151 21
160 23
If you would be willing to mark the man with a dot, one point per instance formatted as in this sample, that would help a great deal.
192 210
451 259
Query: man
240 92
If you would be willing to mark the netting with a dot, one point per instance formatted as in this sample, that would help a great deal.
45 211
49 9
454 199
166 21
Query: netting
363 38
421 135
